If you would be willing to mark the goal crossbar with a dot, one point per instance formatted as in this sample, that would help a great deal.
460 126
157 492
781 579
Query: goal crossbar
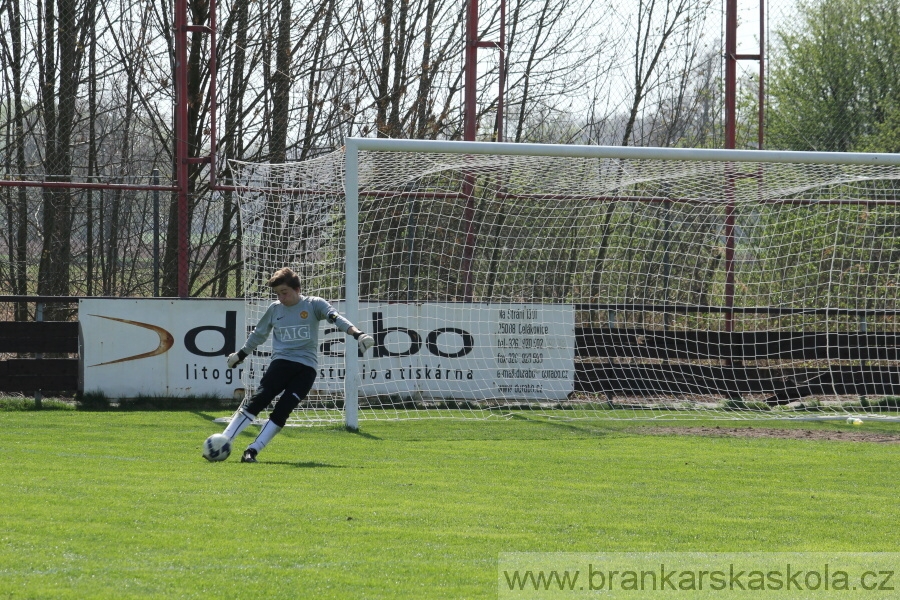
623 152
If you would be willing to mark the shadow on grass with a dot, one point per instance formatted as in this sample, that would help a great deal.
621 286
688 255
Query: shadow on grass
299 465
361 433
206 416
582 429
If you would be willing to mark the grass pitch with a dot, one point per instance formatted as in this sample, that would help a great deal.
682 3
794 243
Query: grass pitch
121 504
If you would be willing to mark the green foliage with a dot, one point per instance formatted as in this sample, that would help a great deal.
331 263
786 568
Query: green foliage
886 134
835 77
94 400
887 403
97 400
121 505
21 403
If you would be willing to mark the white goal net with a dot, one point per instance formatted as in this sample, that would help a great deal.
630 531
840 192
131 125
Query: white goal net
580 281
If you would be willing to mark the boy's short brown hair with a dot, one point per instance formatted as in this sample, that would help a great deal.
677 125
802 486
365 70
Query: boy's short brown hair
284 276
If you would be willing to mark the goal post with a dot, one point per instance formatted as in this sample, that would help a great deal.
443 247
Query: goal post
351 382
582 281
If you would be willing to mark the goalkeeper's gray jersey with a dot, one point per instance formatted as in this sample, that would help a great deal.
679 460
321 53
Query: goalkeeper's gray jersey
295 329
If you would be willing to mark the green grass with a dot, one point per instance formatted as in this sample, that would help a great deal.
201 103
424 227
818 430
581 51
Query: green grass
121 505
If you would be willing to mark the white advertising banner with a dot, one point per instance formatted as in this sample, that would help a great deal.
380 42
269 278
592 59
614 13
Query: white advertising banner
177 348
459 351
160 347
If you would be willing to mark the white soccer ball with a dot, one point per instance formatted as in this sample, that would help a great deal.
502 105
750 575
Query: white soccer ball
216 447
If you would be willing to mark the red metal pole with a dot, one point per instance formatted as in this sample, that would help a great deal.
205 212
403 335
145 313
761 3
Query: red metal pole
473 43
760 134
730 136
181 142
469 249
502 76
730 72
470 126
213 100
471 66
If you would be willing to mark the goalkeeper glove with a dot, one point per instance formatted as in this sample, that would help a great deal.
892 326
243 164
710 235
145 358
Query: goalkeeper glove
236 358
365 341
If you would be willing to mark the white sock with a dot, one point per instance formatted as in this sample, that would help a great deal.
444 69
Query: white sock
238 423
265 436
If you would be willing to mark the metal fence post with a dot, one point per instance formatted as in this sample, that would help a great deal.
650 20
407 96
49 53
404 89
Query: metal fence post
38 316
155 181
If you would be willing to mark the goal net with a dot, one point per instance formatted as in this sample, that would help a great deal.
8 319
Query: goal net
581 281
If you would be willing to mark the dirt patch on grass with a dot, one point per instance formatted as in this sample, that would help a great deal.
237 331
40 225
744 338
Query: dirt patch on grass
850 435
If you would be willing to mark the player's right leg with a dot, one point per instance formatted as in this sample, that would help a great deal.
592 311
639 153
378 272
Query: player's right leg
273 382
238 423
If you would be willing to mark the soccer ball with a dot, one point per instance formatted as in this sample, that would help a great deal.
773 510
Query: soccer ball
216 447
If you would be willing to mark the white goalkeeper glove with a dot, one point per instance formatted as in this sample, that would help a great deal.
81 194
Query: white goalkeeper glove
236 358
365 341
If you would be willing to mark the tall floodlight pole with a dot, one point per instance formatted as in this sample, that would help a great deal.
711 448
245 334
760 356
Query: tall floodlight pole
473 43
181 142
730 139
730 73
761 114
470 125
731 58
183 158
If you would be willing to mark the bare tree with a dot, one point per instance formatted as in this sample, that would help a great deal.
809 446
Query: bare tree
294 81
17 218
64 36
667 34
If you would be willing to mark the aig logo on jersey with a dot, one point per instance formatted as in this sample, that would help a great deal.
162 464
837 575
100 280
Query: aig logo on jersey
292 334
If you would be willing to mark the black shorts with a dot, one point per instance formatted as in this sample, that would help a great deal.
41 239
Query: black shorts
290 379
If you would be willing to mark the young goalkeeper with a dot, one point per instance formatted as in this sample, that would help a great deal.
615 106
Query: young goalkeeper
294 322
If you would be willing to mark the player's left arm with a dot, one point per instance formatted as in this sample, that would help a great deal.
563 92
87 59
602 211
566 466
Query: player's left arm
364 340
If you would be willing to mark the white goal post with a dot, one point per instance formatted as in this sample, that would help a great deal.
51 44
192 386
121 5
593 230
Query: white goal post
583 280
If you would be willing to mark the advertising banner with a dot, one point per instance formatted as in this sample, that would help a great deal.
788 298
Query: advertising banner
467 351
160 347
177 348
